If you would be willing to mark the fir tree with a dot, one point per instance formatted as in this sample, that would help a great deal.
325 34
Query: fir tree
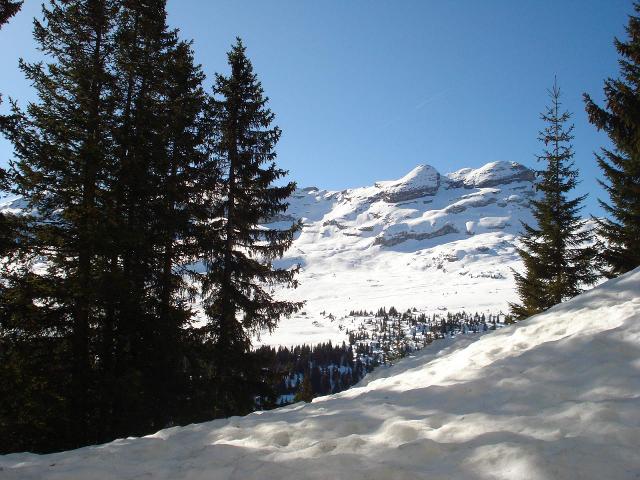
61 145
620 119
109 158
556 253
133 398
186 135
238 287
305 392
7 10
159 147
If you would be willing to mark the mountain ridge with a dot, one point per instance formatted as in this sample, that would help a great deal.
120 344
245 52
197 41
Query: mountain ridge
426 240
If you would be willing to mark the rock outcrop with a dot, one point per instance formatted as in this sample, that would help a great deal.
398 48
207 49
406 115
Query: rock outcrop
422 181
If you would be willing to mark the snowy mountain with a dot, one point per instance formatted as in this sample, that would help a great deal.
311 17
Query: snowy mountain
430 241
554 397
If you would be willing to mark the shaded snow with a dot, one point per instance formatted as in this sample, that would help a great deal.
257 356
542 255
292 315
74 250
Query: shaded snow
554 397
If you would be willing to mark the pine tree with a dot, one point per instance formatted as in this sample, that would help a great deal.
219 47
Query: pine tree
305 391
238 286
128 338
61 145
557 252
110 159
620 119
7 10
186 135
159 147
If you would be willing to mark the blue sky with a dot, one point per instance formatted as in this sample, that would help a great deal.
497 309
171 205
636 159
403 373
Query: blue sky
365 90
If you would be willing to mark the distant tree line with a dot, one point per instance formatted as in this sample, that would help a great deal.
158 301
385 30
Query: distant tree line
388 335
142 192
561 255
304 372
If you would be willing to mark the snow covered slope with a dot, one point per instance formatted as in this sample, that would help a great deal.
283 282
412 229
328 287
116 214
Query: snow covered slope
430 241
555 397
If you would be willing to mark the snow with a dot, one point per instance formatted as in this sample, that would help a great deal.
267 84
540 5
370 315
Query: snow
422 180
471 227
491 174
358 251
11 204
553 397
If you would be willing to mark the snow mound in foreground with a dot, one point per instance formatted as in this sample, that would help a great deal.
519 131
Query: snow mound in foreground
554 397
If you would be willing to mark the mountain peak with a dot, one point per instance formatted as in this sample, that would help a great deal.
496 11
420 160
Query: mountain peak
422 180
490 175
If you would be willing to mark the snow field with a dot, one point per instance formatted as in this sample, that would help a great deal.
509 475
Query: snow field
449 245
554 397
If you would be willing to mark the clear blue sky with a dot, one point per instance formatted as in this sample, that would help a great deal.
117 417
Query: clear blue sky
364 90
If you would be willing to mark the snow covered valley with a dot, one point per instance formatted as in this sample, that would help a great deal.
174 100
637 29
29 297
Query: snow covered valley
553 397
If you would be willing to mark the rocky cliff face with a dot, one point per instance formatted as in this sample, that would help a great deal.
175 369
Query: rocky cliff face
491 175
422 205
428 240
424 180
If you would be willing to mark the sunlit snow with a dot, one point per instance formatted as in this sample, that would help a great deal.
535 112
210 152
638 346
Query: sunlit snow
449 244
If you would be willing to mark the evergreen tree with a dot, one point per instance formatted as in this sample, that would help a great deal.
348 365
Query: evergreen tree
620 119
305 392
7 10
155 196
238 286
154 145
557 254
186 133
61 145
110 159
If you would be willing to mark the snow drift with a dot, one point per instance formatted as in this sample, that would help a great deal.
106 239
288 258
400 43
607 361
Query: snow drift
554 397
